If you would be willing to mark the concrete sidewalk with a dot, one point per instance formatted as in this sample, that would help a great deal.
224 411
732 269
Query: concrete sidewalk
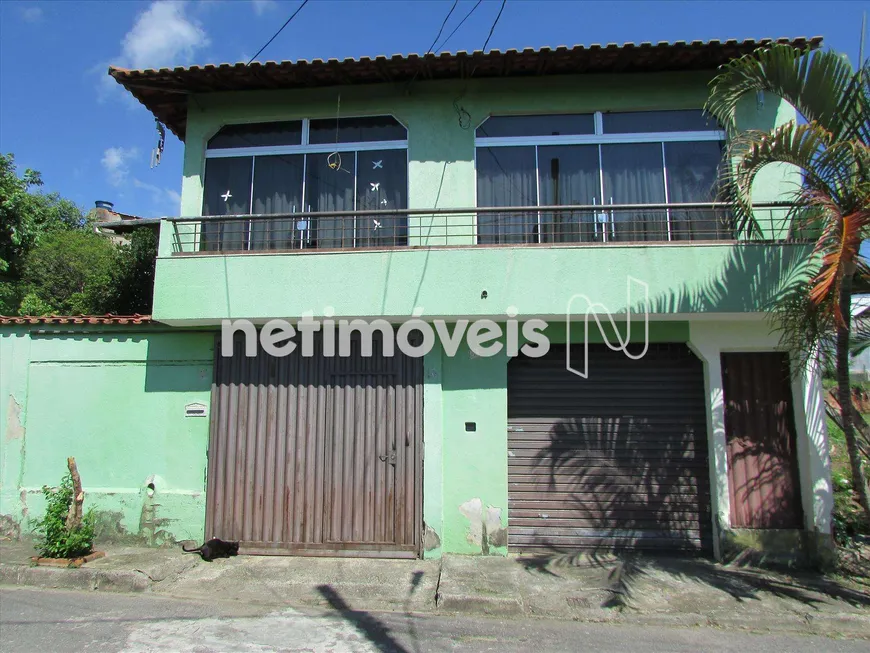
637 590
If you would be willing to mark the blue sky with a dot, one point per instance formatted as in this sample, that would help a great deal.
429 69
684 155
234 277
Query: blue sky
62 115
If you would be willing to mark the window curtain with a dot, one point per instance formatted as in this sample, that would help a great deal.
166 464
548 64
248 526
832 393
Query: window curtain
634 174
329 188
506 177
569 174
382 184
693 170
227 191
277 191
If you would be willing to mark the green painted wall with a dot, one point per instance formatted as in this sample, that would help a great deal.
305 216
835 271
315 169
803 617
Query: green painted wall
449 282
115 400
442 175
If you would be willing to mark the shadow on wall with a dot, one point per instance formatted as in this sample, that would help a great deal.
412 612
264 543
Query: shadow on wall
752 279
175 364
760 427
620 458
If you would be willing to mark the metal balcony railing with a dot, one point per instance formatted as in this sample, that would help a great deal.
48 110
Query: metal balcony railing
469 227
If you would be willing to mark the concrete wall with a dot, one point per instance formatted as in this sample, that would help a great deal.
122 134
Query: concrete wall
115 400
441 174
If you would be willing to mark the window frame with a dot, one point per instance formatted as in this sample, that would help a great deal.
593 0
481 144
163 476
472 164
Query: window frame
304 149
599 139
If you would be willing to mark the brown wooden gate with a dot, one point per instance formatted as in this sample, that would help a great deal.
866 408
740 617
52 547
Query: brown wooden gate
317 455
615 461
759 426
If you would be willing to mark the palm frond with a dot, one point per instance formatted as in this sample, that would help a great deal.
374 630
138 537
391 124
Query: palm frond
828 167
837 247
819 84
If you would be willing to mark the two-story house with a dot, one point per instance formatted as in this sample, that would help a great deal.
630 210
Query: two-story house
570 189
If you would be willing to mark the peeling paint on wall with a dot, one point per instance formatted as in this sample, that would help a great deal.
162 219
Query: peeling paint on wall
431 541
23 496
9 528
14 428
484 528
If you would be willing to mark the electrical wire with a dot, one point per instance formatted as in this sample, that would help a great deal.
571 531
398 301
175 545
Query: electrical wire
435 40
443 23
455 29
492 29
305 2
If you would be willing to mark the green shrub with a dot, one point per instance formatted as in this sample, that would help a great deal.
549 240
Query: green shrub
52 538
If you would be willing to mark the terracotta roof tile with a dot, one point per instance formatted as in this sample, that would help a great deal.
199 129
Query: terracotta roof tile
165 91
77 319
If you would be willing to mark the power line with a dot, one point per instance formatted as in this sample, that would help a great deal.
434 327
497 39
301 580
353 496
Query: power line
489 36
435 40
492 29
443 23
455 29
305 2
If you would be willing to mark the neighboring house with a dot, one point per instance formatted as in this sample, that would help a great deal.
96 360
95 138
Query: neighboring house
118 225
495 186
860 364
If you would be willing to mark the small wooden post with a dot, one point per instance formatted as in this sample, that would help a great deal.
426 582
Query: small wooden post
74 517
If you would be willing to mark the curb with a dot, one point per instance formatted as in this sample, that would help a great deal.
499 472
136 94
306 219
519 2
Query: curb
107 580
501 606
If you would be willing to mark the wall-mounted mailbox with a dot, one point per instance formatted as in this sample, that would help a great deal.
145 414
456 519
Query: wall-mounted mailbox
195 410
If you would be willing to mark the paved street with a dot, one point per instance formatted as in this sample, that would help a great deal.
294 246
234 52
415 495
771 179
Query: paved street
53 620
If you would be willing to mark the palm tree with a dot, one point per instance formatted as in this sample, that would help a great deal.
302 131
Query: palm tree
829 143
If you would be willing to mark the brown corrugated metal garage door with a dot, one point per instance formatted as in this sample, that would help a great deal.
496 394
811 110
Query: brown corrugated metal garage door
615 461
317 455
762 452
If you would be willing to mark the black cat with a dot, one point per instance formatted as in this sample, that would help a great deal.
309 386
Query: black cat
214 548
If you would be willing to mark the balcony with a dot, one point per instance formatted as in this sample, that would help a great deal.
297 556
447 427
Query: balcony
524 226
472 262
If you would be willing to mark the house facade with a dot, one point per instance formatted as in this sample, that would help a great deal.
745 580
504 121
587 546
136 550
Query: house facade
624 391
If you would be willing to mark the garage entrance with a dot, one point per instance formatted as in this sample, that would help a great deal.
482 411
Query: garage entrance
615 461
317 455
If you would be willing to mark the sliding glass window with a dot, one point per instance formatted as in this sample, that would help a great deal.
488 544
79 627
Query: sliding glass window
596 161
359 166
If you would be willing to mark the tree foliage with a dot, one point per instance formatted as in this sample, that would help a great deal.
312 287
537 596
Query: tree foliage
831 146
71 273
52 261
26 216
53 539
134 275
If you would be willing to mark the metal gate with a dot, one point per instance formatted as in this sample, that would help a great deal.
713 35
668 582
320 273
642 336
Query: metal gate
615 461
759 428
317 455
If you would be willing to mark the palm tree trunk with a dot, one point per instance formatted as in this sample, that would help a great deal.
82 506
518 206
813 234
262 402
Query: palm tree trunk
844 394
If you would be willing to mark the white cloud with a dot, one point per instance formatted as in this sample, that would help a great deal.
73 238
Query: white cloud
116 162
263 6
166 200
32 14
163 35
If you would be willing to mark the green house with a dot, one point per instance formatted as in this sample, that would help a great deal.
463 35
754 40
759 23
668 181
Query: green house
551 337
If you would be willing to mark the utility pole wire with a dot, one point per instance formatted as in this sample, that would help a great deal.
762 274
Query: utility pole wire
491 30
278 32
443 23
437 36
503 3
861 46
455 29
